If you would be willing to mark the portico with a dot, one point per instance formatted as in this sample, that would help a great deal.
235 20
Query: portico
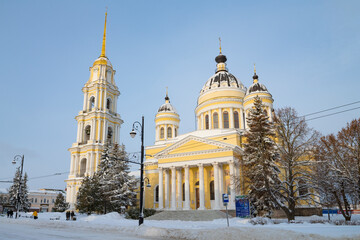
196 184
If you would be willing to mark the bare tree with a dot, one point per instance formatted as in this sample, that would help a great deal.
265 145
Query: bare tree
341 155
295 143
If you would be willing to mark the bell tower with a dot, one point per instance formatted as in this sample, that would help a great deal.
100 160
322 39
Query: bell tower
98 122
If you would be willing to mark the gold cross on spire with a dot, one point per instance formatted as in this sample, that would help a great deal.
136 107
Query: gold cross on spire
220 44
254 68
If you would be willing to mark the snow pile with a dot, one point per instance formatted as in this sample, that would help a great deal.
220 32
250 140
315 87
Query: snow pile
113 223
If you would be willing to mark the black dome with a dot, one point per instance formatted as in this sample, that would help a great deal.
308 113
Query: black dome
256 87
220 58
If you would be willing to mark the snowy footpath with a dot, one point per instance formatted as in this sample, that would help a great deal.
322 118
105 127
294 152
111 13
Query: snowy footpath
114 226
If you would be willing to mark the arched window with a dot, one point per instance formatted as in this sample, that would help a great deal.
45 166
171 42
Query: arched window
175 132
212 192
303 189
183 192
156 194
206 121
162 133
82 167
169 132
236 120
87 133
92 103
216 120
109 134
108 104
226 119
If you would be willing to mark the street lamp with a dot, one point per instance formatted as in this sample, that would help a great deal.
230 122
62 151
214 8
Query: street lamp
136 126
16 159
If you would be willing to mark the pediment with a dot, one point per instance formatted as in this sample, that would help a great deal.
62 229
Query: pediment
195 145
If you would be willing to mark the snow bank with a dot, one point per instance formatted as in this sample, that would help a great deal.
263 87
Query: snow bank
188 230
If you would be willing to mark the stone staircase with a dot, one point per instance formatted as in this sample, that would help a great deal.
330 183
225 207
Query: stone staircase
191 215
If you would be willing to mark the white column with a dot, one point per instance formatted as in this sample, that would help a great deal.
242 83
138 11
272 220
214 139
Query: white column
202 122
231 118
104 99
93 129
232 186
201 187
99 130
220 119
85 101
210 120
161 189
78 133
88 163
114 108
92 160
81 136
179 188
77 162
173 188
165 130
237 175
97 96
167 192
187 189
72 164
221 181
104 131
216 185
173 131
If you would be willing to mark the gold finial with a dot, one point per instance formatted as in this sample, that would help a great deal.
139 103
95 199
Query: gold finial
167 99
254 68
220 44
104 38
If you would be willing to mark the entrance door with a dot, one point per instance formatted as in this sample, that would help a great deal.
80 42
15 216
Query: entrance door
197 198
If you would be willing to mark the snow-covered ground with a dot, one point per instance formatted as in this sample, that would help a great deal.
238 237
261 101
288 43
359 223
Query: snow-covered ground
114 226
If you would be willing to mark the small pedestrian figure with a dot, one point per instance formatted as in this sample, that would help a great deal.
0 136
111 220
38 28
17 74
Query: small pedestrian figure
35 214
8 213
72 214
11 213
67 215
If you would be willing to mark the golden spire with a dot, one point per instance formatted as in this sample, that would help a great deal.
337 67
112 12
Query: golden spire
254 69
104 39
220 44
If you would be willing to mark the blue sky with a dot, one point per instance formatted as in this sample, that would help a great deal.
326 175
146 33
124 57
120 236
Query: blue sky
307 53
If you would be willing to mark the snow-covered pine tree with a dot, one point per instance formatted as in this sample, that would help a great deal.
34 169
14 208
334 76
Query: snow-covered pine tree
262 173
24 203
117 186
295 143
89 196
123 190
60 204
24 195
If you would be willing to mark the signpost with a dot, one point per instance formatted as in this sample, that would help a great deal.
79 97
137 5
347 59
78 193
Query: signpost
225 199
242 204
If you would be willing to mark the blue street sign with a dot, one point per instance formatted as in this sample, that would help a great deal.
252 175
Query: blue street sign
242 204
225 198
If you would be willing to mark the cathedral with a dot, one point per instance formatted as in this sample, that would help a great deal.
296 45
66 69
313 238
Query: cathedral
98 122
192 170
186 171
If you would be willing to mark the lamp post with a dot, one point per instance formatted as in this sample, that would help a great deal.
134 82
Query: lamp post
135 128
17 158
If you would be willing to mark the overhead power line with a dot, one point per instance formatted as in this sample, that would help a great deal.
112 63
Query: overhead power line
330 114
329 109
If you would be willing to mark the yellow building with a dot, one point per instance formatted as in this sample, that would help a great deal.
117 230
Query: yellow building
98 122
193 170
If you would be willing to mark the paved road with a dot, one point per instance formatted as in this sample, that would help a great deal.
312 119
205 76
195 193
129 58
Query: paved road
16 230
